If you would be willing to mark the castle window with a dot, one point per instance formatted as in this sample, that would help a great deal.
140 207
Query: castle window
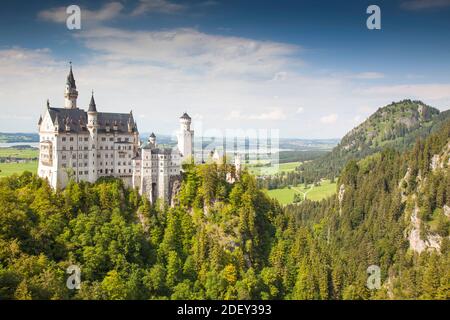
64 148
86 172
86 139
71 148
71 139
64 139
111 139
103 139
119 170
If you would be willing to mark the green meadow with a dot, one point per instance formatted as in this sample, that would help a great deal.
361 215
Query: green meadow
311 192
19 153
7 169
266 170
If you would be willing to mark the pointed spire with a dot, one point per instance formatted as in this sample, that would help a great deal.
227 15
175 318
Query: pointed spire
92 106
70 78
48 104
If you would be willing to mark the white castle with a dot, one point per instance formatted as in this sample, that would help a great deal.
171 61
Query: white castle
85 146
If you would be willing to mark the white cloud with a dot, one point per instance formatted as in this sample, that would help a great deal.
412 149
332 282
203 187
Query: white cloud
234 115
424 4
273 115
191 50
329 119
300 110
159 6
369 75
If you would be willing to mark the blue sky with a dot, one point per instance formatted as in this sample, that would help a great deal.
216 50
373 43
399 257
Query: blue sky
308 68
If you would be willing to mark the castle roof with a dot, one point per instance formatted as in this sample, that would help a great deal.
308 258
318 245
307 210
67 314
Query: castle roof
71 79
92 106
185 116
76 120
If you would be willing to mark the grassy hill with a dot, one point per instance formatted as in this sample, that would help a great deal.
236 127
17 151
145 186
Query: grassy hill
397 125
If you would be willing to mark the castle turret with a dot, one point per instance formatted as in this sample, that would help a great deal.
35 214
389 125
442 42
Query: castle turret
92 113
186 137
152 141
92 127
71 93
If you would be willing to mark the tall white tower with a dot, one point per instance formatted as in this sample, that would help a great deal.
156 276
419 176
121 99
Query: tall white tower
71 93
186 138
93 127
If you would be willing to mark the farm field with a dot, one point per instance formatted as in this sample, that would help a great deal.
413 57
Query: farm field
315 193
266 171
19 153
7 169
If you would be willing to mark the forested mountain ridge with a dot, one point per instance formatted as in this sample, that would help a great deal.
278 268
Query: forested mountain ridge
213 244
396 125
388 208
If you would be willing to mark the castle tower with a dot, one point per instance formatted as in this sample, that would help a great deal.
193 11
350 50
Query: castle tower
71 93
152 141
92 127
186 138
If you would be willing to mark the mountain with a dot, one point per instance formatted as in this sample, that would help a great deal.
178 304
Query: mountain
397 125
391 213
18 137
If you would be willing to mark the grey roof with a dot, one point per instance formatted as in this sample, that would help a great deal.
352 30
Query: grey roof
152 135
185 116
92 106
71 79
76 120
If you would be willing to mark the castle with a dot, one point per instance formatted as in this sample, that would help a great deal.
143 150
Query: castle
87 145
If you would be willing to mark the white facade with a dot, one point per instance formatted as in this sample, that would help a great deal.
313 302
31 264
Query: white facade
85 146
186 138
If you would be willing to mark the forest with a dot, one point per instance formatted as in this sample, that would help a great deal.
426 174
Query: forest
226 240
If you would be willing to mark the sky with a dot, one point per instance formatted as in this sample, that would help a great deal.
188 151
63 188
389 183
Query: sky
310 69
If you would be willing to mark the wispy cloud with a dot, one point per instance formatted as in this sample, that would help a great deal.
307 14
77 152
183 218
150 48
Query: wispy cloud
158 6
191 50
273 115
369 75
424 4
329 119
